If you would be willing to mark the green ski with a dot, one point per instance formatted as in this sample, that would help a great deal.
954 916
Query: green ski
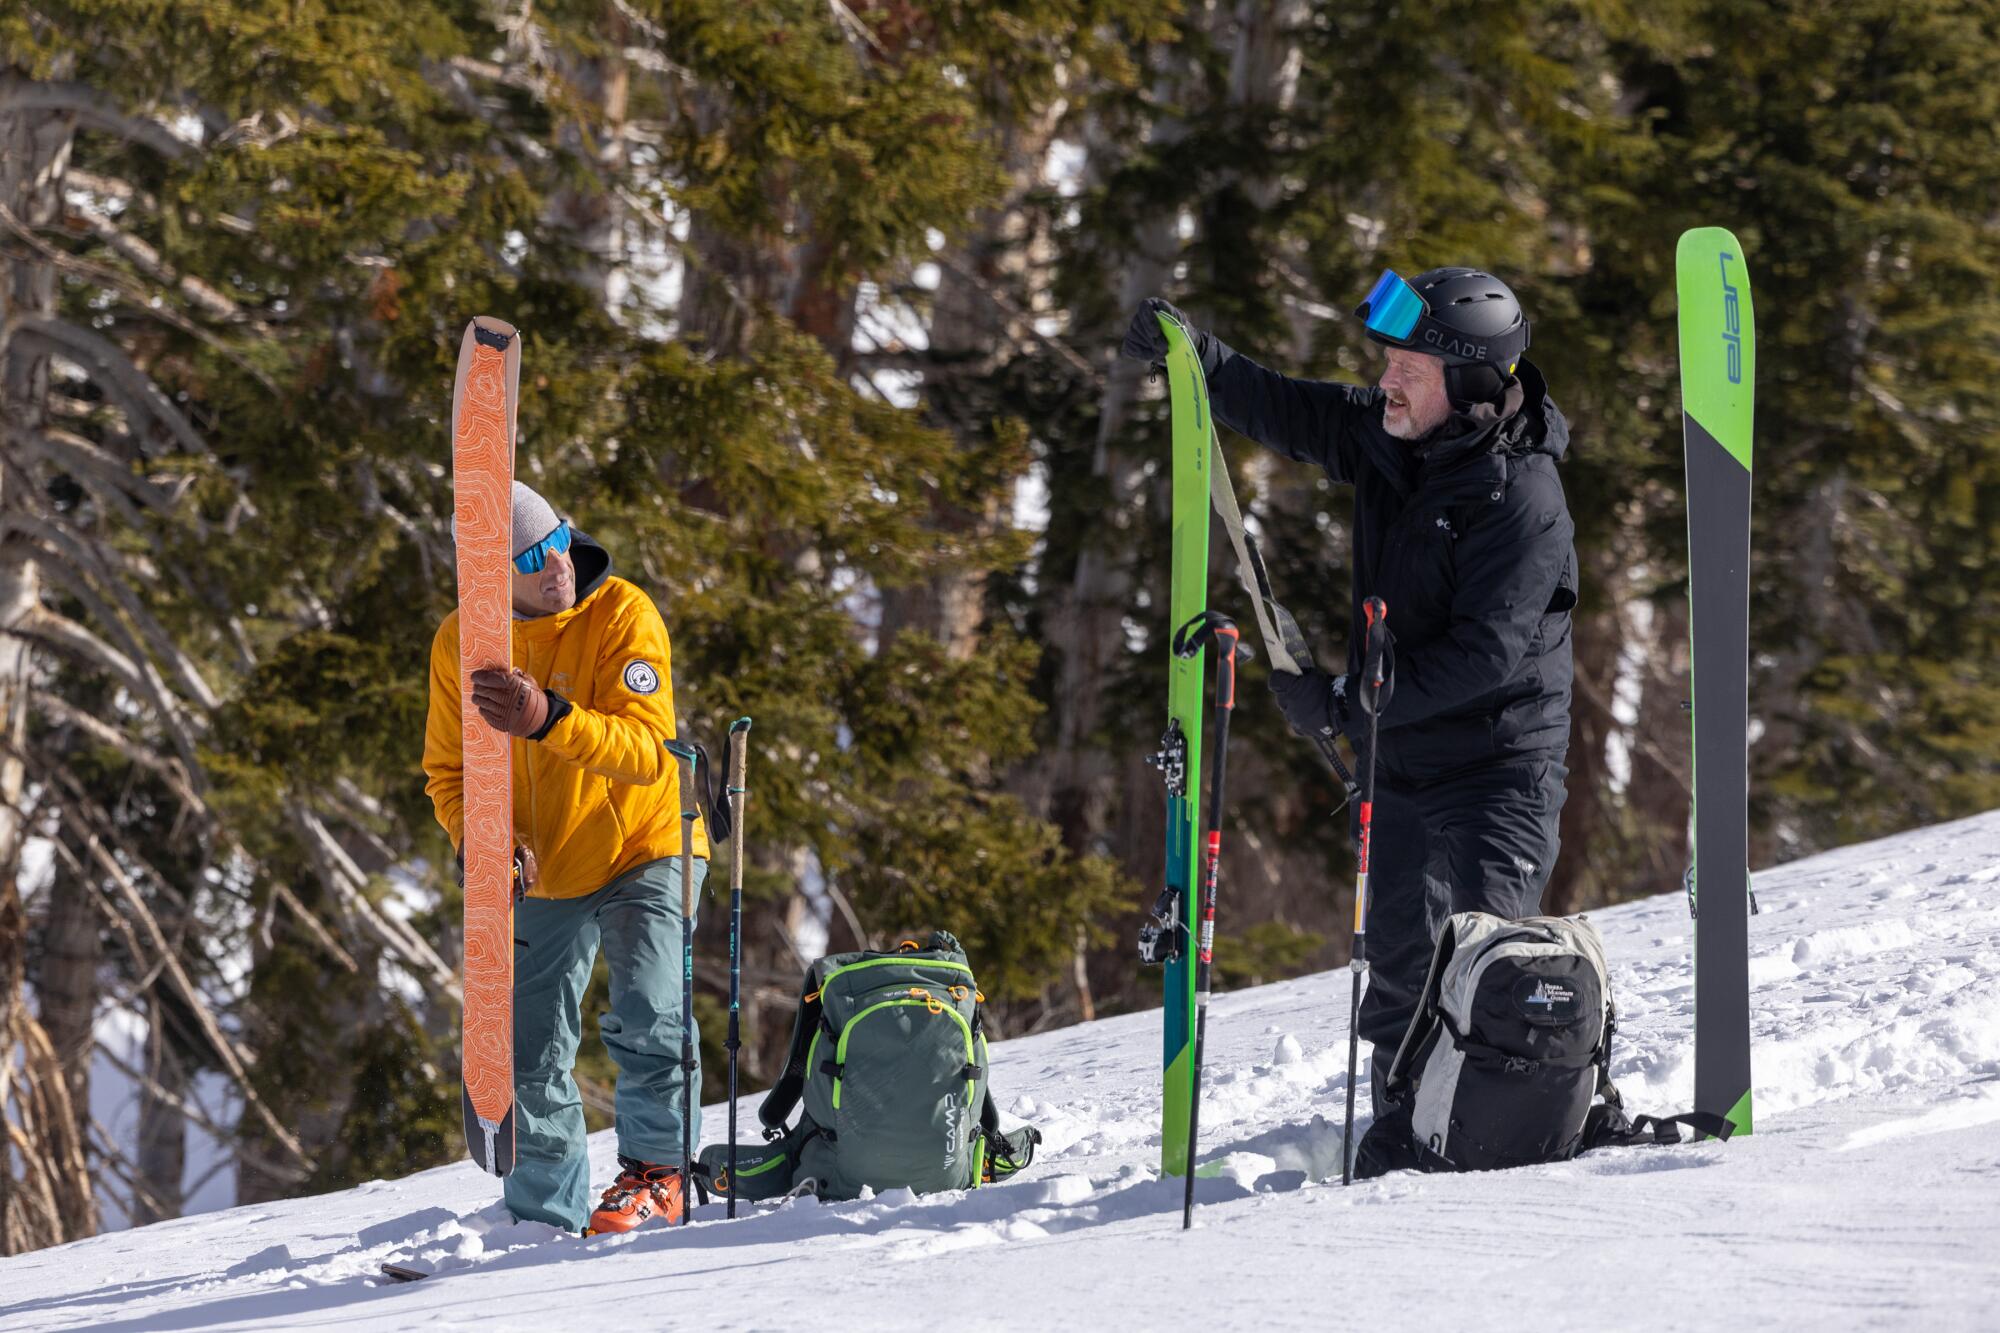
1164 938
1718 348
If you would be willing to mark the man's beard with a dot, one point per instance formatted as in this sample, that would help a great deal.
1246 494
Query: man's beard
1408 430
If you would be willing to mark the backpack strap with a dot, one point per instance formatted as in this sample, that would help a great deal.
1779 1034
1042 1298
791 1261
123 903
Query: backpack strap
791 1085
1006 1153
1515 1064
720 818
1607 1126
1426 1019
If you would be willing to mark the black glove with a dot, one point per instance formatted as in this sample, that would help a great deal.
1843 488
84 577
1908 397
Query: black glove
1310 702
1316 704
1146 341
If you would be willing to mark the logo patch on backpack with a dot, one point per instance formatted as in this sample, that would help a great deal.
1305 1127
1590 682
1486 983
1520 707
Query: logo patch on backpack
640 678
1545 1002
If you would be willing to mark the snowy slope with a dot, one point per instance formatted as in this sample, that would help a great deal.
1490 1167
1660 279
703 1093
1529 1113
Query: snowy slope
1868 1197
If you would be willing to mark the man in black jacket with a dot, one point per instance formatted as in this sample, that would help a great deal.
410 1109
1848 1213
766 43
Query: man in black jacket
1460 526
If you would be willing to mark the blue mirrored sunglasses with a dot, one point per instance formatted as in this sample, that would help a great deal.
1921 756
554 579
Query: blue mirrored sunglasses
1392 308
531 560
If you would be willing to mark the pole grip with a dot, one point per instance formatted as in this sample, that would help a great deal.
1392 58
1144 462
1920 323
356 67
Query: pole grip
1375 669
737 776
1374 652
1227 639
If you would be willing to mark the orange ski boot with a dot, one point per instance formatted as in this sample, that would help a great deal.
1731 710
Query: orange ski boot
641 1193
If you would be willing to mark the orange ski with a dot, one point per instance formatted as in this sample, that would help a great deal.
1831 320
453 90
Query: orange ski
482 472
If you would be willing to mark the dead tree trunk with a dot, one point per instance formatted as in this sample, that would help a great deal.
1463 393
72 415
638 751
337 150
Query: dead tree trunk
1587 859
1660 795
34 152
66 978
161 1160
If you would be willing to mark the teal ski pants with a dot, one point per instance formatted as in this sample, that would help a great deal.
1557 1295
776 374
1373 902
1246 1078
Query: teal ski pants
636 920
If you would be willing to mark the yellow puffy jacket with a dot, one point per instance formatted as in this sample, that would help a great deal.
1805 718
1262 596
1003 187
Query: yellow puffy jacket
599 794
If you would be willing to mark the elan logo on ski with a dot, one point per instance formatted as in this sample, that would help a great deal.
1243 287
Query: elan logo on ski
1732 321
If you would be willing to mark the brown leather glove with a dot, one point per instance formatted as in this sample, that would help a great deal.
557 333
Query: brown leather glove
510 701
526 872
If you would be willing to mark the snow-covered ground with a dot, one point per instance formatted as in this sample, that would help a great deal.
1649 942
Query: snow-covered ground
1869 1195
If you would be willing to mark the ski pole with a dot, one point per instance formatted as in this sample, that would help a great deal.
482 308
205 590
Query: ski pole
739 796
1373 655
690 759
1188 642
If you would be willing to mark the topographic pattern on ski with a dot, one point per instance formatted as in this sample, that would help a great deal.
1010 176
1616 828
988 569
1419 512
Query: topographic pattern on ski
1186 676
482 464
1718 350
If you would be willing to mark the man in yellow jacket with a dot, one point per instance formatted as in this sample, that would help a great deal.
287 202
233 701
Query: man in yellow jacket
597 815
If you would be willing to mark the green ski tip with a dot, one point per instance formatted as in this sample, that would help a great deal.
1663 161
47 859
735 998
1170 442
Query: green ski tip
1739 1115
1718 337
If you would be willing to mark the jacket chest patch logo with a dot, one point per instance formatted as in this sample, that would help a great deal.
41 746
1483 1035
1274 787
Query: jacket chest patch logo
640 678
1445 523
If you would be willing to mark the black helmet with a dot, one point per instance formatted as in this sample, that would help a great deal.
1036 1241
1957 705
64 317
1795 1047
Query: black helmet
1466 318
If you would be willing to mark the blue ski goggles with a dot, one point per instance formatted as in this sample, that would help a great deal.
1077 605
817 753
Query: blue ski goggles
531 560
1393 309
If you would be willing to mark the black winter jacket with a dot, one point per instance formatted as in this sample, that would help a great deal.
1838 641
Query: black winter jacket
1468 540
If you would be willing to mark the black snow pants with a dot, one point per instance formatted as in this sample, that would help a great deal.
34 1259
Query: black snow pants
1483 840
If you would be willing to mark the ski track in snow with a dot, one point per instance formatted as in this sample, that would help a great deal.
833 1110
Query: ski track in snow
1868 1196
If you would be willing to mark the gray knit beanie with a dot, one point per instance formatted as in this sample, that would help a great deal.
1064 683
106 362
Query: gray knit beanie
534 517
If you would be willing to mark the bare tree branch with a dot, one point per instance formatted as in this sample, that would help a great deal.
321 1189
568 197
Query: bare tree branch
114 1158
95 109
110 494
134 388
512 76
314 926
197 1117
362 813
430 547
42 1197
148 683
1020 321
234 1060
84 557
76 641
146 302
111 187
50 1136
339 873
855 28
89 463
833 891
170 771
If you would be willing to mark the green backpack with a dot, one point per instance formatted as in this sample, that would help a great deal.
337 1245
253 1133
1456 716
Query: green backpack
890 1064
